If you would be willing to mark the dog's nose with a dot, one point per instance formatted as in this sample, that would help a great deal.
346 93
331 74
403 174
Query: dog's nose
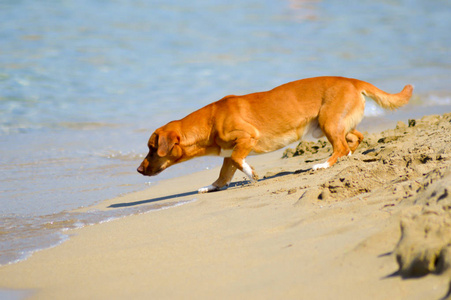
140 169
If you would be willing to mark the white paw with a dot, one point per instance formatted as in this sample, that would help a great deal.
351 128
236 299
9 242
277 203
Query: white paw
207 189
248 171
321 166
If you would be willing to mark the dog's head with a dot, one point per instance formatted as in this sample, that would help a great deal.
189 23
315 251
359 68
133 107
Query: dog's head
164 151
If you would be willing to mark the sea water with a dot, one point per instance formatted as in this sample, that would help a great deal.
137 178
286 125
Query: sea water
84 83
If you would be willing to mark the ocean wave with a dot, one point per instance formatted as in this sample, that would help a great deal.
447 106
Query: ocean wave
16 127
434 99
124 156
372 110
84 125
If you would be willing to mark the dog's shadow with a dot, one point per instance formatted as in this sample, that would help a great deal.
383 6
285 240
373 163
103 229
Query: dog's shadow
285 173
235 184
153 200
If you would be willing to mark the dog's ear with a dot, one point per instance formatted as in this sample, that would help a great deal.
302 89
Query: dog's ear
153 143
166 142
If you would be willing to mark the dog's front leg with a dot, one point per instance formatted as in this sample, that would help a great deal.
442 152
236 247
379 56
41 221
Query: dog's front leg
228 169
242 149
243 146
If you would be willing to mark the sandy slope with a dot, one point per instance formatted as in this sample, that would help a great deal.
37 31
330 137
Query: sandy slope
296 234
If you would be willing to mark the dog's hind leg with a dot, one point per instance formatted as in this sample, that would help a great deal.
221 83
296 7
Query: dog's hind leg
336 134
341 149
228 169
338 119
354 138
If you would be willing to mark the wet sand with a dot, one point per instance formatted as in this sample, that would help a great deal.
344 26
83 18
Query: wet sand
377 225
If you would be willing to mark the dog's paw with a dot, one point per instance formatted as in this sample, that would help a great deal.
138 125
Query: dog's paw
255 177
321 166
206 189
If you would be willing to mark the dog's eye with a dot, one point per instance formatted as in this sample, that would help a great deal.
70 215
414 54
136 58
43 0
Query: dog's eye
153 149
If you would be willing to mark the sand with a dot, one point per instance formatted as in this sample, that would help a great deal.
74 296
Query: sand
377 225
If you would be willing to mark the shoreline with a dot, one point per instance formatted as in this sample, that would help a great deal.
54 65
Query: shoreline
290 235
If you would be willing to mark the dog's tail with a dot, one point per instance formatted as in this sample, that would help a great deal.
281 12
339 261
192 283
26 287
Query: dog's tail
386 100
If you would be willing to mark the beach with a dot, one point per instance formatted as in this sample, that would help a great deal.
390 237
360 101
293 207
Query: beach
376 225
83 84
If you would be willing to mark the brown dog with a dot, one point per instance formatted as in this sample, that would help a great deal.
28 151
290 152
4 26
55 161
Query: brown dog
237 126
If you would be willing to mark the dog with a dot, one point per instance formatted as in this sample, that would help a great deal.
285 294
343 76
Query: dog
237 126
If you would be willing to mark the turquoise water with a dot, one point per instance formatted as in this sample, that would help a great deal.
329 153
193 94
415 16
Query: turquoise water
84 83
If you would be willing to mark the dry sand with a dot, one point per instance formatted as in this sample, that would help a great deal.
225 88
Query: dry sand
376 225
